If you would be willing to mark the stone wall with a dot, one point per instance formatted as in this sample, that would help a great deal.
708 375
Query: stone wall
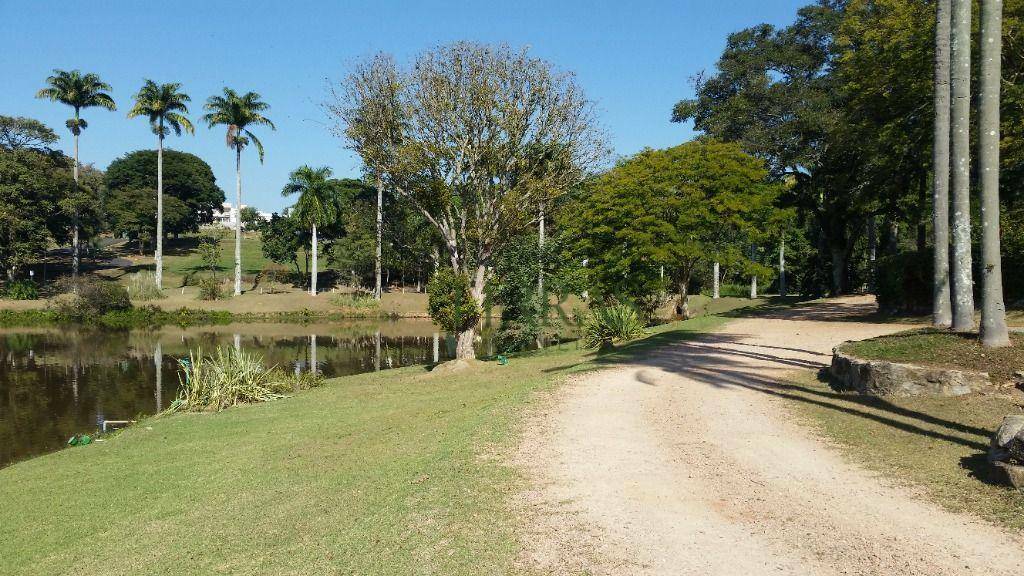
882 378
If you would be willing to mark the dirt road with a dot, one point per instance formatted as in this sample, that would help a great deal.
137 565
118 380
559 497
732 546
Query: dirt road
685 463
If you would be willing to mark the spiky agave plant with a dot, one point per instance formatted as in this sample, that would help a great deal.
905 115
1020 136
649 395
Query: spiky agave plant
607 325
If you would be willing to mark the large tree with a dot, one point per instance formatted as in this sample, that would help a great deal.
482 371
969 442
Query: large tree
79 91
165 106
676 210
18 132
317 206
238 112
482 132
32 185
962 278
942 314
187 179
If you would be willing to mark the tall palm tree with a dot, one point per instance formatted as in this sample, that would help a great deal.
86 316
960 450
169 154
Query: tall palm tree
237 113
317 205
78 91
993 309
165 106
942 316
960 111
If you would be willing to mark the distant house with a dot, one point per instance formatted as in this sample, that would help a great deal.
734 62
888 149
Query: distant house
227 214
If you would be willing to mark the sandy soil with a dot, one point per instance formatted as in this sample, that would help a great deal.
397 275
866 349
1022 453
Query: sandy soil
685 463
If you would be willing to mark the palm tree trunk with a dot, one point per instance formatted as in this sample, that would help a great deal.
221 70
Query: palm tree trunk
312 270
158 253
753 287
782 266
993 309
960 77
716 282
377 292
942 315
540 264
75 254
238 220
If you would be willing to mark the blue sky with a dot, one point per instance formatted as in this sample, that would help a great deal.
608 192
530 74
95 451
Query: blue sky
633 59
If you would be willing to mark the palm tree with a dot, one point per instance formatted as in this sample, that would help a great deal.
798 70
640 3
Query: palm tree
941 313
960 80
78 91
165 107
993 309
238 112
317 205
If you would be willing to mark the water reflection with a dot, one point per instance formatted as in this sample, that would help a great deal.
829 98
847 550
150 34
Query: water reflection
58 382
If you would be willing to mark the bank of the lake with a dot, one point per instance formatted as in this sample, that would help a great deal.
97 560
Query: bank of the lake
396 472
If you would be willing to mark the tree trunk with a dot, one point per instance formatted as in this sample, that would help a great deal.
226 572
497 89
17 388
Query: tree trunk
540 263
716 283
377 290
238 220
753 287
922 215
782 266
993 309
683 307
75 254
942 315
312 269
960 77
158 253
872 252
838 271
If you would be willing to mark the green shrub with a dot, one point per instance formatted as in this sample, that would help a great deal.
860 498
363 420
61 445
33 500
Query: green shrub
210 288
610 324
22 290
142 286
89 298
904 283
360 301
230 377
451 302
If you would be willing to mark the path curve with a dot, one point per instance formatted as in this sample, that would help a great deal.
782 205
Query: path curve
685 464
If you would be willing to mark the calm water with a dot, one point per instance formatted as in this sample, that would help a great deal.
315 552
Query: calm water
58 382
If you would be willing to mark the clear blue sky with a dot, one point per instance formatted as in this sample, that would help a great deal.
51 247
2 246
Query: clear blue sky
633 59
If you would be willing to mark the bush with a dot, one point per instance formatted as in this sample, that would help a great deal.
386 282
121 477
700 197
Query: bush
610 324
210 288
361 301
904 283
230 377
22 290
91 298
451 302
142 286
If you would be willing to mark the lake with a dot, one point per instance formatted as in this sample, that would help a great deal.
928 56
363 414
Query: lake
57 382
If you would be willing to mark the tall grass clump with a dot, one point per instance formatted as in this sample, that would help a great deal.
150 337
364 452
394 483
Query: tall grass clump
142 286
607 325
229 377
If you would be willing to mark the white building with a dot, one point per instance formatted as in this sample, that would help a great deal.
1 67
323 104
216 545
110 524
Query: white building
227 215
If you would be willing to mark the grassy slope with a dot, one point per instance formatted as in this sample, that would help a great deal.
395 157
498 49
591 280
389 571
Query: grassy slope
935 444
945 350
392 473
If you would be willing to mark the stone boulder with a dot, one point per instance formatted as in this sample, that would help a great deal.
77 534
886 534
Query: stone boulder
883 378
1006 452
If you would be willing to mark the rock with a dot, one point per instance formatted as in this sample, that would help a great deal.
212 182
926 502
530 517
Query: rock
1011 427
882 378
1014 474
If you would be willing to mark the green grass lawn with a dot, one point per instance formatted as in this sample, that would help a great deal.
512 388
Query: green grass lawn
936 444
399 472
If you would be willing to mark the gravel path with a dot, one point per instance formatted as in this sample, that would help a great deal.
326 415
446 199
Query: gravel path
685 464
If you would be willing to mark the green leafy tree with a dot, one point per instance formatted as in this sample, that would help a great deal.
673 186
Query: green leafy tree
238 112
32 186
317 205
251 219
165 106
79 91
186 177
130 214
452 305
283 237
18 132
674 210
